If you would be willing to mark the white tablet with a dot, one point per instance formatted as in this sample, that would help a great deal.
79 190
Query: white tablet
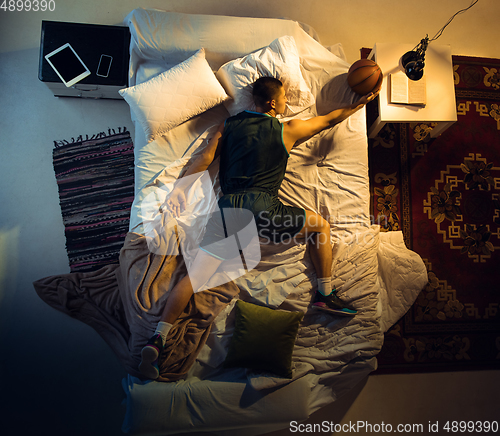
67 64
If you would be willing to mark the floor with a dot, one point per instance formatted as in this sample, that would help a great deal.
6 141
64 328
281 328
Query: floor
58 377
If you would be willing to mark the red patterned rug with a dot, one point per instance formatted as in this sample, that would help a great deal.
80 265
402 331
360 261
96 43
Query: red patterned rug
444 194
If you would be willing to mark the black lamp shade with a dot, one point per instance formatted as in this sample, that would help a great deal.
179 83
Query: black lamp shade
413 63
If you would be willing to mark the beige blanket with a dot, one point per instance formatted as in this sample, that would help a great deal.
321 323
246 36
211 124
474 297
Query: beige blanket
123 304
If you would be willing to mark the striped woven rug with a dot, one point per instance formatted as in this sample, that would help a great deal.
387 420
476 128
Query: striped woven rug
95 178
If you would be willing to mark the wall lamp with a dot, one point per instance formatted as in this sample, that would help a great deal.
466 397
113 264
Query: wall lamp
413 61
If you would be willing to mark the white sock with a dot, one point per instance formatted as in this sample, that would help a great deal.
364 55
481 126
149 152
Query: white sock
162 329
325 285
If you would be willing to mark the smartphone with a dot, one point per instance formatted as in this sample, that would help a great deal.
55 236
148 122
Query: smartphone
104 65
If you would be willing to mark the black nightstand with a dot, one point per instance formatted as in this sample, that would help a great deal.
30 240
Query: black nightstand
90 41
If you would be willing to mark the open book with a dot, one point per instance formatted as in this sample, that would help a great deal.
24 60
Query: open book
406 91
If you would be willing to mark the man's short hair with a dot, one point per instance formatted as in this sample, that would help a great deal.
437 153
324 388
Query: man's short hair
266 89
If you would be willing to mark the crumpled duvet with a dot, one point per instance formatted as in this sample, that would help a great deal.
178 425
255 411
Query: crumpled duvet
123 304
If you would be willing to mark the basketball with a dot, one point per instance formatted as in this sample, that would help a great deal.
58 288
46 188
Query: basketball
364 76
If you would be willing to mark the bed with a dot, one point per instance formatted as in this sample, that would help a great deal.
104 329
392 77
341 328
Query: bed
328 173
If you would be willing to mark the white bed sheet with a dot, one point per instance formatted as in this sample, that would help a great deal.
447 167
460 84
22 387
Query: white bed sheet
327 174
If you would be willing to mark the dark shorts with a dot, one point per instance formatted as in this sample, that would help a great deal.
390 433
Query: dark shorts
274 222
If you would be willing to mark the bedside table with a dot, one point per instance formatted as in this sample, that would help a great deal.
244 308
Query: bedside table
89 41
438 70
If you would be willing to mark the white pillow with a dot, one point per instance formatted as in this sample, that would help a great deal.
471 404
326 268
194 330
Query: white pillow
281 60
174 96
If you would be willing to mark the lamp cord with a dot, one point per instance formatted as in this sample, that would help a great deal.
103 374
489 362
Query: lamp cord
440 32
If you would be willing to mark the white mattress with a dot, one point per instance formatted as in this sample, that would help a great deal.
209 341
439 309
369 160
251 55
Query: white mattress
328 174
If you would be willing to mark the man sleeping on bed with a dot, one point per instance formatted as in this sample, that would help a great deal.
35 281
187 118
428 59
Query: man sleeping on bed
254 148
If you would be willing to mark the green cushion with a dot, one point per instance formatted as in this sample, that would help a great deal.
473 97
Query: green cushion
263 339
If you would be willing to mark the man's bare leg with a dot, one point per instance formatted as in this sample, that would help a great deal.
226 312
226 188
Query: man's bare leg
204 267
317 228
322 258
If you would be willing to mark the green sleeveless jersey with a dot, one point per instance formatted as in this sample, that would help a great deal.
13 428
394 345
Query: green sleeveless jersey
253 155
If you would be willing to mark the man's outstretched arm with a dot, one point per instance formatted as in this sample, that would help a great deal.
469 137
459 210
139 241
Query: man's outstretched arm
203 161
176 200
295 130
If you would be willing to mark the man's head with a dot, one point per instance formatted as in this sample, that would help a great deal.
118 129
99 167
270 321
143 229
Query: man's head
269 94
